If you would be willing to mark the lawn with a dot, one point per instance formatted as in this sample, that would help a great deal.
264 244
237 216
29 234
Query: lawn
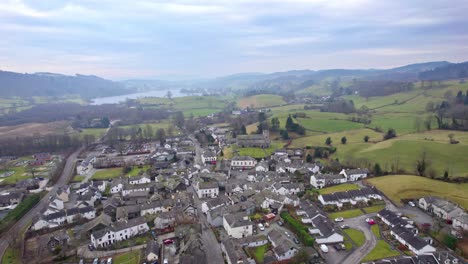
78 178
132 257
96 132
105 174
381 250
260 101
11 256
258 253
398 187
136 170
339 188
356 235
259 152
374 209
346 214
376 230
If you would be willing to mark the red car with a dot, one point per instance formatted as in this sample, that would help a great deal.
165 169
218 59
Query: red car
168 241
370 221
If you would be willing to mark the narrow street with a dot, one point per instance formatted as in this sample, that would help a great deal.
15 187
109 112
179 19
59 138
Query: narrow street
360 224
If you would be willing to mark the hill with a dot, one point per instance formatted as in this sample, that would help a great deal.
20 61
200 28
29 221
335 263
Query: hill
50 84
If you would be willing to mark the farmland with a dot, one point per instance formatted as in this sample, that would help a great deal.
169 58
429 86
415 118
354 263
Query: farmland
260 101
398 187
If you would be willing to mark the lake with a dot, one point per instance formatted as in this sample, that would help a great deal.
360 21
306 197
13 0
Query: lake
121 98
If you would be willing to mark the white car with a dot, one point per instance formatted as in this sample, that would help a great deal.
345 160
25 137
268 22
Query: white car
324 248
261 227
412 204
339 219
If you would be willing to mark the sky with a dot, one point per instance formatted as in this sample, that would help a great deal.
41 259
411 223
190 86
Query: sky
122 39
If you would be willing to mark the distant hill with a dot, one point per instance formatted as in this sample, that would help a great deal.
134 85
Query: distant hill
51 84
449 71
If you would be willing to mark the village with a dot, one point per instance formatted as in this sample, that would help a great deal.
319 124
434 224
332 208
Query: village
180 201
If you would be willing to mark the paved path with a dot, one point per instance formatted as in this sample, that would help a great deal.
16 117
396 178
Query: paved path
20 225
360 224
84 252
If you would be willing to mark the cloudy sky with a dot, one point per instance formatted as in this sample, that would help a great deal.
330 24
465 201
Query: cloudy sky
121 39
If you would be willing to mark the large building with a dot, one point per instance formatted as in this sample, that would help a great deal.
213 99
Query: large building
254 141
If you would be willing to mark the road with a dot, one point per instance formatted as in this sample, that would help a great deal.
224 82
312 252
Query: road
360 224
214 254
15 230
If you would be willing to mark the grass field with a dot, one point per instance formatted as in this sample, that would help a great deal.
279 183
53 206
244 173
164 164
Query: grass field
399 187
356 235
11 256
381 250
136 170
96 132
105 174
376 231
258 253
260 101
339 188
346 214
374 209
132 257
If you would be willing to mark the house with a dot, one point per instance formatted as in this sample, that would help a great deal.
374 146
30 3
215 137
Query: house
234 253
320 181
439 257
127 189
324 230
352 197
152 251
282 246
254 141
440 207
206 189
117 185
214 203
288 188
243 162
209 157
461 221
355 174
238 225
11 198
164 220
119 231
392 219
141 179
414 243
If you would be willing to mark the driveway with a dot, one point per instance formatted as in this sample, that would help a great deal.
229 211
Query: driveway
414 213
360 224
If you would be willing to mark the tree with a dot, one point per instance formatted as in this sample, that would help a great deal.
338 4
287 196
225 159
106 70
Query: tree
450 241
391 133
328 141
377 170
261 117
170 131
289 123
366 138
284 134
243 130
179 120
421 164
105 122
262 126
161 135
446 175
343 140
275 124
221 153
451 138
148 132
309 158
169 94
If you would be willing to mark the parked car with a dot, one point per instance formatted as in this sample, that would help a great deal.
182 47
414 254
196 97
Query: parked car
343 247
344 226
168 241
411 204
261 227
296 240
280 223
91 247
96 261
337 247
287 234
103 261
109 261
81 261
370 221
165 261
339 219
324 248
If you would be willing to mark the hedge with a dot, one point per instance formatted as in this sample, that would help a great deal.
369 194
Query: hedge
299 229
20 210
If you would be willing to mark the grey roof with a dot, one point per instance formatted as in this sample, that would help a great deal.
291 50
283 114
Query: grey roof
282 244
152 247
243 158
323 224
235 253
237 220
410 238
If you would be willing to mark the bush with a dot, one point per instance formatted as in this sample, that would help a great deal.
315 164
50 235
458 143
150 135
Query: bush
450 241
20 210
299 229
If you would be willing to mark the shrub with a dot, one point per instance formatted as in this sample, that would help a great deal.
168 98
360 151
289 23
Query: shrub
299 229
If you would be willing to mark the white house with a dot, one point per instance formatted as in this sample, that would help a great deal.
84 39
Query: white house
238 225
119 232
287 188
414 243
117 185
243 162
208 157
461 221
206 189
320 181
141 179
355 174
324 230
130 188
440 207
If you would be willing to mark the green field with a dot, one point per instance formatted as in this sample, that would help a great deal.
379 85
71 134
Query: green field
356 235
258 253
376 231
346 214
11 256
260 101
374 209
189 105
96 132
339 188
399 187
132 257
104 174
381 250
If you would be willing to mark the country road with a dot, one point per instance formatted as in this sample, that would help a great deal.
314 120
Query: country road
360 224
65 177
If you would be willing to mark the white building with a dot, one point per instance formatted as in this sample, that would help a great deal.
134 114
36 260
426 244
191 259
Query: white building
206 189
324 230
238 225
119 232
142 179
243 162
282 247
355 174
208 157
